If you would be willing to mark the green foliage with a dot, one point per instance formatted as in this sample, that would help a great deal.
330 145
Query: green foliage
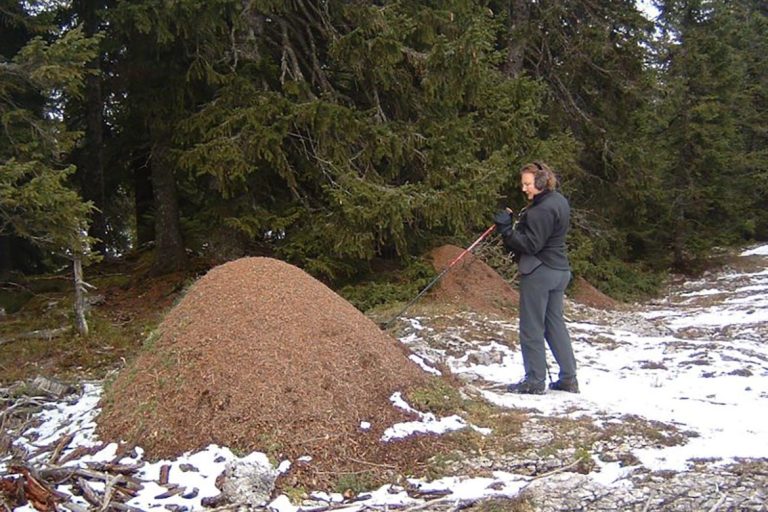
36 201
749 37
12 301
704 147
356 482
597 252
406 135
624 281
360 133
37 204
378 288
57 65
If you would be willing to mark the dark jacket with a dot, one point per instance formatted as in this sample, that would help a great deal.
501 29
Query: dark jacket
540 233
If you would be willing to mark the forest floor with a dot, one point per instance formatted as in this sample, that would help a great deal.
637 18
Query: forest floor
579 452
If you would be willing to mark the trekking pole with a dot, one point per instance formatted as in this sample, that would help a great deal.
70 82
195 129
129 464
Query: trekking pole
439 276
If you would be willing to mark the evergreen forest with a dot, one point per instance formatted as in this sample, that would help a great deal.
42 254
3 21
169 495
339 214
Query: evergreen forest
350 137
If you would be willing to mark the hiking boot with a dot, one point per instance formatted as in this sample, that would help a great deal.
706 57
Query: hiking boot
569 385
526 387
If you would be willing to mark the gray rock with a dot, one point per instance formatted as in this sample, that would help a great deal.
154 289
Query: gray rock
249 484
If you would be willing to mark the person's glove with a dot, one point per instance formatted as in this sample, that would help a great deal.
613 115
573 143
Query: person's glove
503 221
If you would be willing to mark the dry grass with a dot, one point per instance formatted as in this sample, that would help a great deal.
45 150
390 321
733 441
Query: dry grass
124 313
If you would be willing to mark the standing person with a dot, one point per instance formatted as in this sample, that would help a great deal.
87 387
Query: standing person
538 241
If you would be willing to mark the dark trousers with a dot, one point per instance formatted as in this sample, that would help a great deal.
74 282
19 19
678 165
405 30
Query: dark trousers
541 319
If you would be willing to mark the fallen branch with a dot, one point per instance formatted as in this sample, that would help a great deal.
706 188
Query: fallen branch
165 471
39 495
64 473
111 467
719 502
89 494
79 452
48 334
647 505
74 507
458 503
60 445
365 462
561 469
35 401
109 491
173 490
122 507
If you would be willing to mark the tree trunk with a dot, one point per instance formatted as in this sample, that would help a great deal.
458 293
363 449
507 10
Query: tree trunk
143 200
92 163
519 16
80 322
5 258
169 246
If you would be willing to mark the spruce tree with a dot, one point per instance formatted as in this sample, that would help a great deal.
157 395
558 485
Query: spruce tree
703 82
593 59
37 202
163 67
361 131
749 36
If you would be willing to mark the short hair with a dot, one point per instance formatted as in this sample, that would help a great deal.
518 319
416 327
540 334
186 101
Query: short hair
543 176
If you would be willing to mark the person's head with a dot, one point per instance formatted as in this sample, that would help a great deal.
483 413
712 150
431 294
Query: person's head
535 178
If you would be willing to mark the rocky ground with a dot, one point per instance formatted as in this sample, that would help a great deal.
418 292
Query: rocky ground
592 452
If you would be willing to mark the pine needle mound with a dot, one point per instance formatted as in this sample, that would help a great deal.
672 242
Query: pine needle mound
471 283
584 293
260 356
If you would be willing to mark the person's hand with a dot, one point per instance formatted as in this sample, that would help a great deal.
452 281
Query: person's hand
503 221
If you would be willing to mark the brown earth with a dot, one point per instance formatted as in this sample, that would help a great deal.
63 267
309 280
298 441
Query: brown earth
475 286
260 356
584 293
471 283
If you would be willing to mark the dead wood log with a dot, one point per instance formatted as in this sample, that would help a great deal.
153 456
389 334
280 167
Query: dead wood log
112 467
74 507
90 495
191 494
173 490
62 474
41 450
35 491
52 387
62 443
122 507
427 493
35 402
126 493
47 334
12 491
79 451
109 491
165 471
119 487
132 484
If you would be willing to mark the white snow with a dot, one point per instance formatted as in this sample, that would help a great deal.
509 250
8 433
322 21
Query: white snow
760 250
713 382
